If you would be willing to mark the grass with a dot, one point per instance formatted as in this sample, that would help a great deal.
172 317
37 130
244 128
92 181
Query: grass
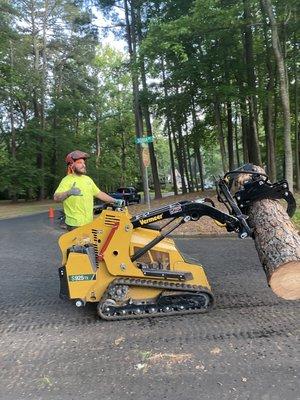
11 210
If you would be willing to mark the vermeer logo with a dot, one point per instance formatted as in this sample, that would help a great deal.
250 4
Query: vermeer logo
151 219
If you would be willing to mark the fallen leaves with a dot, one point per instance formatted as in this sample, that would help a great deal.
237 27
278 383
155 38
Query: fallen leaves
119 340
162 359
215 350
170 358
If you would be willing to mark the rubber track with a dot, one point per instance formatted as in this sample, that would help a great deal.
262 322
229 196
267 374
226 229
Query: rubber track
153 284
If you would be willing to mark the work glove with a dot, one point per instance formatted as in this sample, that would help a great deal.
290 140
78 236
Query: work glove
74 191
119 203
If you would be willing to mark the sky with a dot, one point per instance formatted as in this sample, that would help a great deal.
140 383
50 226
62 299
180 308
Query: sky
100 21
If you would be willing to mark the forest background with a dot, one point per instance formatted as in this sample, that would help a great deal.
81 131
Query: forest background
215 82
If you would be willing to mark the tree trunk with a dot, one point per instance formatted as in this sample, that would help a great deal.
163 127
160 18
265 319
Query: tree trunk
200 165
190 167
98 144
58 72
123 159
180 162
269 130
297 161
36 98
230 136
197 149
145 108
169 129
186 158
236 137
284 93
40 155
277 243
220 134
182 151
172 159
268 108
194 166
253 142
189 160
13 145
131 42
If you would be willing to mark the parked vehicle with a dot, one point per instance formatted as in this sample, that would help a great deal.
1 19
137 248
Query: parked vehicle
129 194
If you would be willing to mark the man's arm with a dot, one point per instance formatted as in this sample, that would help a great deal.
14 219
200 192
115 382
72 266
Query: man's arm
74 191
60 196
105 197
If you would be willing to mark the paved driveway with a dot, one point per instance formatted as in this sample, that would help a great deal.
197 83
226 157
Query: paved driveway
246 348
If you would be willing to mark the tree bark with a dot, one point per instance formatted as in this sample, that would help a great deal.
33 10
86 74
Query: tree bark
36 98
145 108
189 160
182 151
131 42
123 159
169 129
40 155
98 143
277 243
220 134
253 146
13 144
197 149
284 93
268 108
200 165
180 162
236 137
245 131
297 162
172 158
230 136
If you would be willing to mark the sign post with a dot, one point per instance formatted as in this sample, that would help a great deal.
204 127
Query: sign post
146 162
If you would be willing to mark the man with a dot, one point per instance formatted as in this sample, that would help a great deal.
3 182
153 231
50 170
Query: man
77 192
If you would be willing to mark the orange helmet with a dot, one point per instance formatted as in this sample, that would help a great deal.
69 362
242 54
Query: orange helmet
74 156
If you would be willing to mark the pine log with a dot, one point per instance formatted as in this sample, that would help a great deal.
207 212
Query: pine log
277 243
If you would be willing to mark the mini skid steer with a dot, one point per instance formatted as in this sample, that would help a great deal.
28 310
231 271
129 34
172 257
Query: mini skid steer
132 269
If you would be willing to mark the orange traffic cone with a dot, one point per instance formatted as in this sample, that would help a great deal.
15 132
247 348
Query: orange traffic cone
51 212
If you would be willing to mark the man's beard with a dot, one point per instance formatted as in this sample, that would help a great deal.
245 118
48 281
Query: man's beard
78 172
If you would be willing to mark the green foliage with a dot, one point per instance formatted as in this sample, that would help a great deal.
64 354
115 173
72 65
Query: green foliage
77 97
201 44
63 91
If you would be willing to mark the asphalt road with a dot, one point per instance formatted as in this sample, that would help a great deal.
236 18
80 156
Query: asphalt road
245 348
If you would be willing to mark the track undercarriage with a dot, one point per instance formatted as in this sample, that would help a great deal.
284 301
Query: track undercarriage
174 298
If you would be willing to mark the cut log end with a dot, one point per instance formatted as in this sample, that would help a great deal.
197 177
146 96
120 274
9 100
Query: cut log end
285 281
276 240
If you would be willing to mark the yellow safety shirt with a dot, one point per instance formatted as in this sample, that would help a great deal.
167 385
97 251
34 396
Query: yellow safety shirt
78 209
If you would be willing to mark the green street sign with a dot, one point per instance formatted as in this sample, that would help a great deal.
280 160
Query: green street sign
143 139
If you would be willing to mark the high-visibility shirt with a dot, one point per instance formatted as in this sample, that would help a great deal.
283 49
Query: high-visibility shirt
78 209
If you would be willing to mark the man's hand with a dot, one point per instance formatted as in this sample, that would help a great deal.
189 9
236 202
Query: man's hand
74 191
119 202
